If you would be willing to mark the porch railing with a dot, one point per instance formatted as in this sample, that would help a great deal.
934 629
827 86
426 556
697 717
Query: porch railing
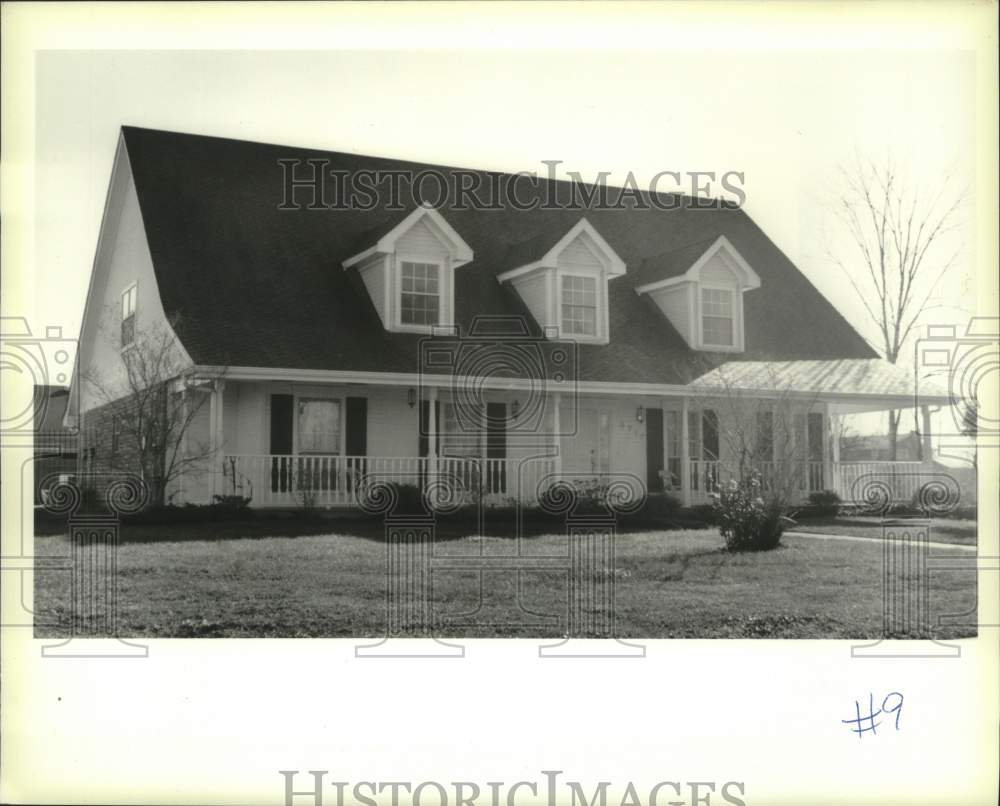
333 480
330 480
899 480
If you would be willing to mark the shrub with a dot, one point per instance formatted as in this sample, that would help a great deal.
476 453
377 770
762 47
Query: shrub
662 506
823 504
409 500
749 519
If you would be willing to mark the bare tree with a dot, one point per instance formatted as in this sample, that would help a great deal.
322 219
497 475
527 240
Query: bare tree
761 430
152 399
899 250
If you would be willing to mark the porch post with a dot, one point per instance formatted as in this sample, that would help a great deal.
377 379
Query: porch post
685 455
925 433
556 431
215 425
432 430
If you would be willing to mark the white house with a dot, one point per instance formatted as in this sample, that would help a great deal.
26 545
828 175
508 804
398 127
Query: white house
502 347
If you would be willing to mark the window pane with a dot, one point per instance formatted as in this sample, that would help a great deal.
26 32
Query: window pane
579 305
717 316
419 298
319 426
717 330
462 432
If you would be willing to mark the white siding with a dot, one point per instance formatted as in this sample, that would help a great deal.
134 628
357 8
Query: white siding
577 256
123 259
393 427
420 241
675 303
373 275
534 292
716 272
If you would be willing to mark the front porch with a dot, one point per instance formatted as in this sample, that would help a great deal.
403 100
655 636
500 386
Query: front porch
297 444
340 481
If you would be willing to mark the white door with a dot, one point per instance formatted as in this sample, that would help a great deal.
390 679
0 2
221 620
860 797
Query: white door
587 451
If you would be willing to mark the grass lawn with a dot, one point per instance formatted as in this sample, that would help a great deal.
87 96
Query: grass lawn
943 530
329 584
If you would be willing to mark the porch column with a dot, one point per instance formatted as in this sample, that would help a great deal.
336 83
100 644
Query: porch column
685 455
925 433
216 439
556 431
432 430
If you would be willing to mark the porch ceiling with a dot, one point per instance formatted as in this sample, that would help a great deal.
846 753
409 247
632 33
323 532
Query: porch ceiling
875 381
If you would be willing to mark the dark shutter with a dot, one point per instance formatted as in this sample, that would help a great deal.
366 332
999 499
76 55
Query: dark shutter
282 407
654 450
710 434
356 423
281 424
495 479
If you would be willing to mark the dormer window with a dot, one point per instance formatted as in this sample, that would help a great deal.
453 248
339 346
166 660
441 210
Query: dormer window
703 299
717 317
409 272
420 293
565 285
128 316
579 305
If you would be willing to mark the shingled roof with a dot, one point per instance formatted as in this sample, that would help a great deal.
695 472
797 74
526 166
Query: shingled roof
252 285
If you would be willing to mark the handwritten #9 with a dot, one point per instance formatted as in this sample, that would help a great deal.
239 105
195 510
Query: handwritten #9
892 704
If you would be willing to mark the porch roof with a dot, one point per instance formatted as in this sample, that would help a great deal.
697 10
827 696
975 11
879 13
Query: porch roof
842 378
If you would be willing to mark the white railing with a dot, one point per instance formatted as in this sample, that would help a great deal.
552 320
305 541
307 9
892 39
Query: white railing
800 478
329 480
900 480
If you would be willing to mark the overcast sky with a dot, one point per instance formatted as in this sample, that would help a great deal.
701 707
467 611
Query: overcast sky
784 119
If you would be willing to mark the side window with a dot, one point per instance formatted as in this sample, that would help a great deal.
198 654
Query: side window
128 315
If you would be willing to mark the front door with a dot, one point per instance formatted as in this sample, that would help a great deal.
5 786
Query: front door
587 452
654 450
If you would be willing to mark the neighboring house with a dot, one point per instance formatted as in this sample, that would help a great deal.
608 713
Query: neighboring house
502 348
55 444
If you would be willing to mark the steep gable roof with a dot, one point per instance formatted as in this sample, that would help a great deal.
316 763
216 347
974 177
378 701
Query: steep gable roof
254 285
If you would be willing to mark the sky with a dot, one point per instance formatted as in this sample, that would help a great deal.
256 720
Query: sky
786 120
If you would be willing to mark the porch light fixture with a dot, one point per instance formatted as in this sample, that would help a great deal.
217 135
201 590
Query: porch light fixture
411 397
639 414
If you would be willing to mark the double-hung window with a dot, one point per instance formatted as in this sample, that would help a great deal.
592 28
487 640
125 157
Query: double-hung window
579 305
420 296
717 317
319 426
128 315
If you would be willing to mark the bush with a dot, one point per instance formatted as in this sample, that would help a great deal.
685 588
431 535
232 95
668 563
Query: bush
660 506
822 504
749 519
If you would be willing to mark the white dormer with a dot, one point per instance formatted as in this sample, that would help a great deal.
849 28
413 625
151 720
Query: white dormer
705 304
409 272
566 288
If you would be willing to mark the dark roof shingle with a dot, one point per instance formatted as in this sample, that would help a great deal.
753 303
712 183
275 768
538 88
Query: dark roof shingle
250 284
